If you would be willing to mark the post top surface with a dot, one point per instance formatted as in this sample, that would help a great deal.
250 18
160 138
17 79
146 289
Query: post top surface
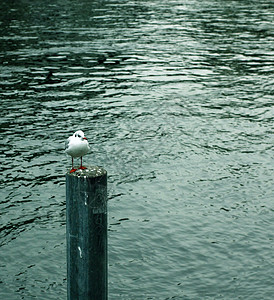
90 171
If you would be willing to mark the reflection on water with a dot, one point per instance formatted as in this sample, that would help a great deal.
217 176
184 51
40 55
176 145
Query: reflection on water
176 99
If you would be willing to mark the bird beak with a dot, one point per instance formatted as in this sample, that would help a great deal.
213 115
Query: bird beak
84 138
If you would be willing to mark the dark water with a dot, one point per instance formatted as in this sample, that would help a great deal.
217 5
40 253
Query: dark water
176 99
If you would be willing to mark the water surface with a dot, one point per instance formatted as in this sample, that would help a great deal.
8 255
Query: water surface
176 100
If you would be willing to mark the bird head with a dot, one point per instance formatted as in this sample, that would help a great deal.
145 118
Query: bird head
80 134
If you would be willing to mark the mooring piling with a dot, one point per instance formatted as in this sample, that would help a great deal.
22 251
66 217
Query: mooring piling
86 211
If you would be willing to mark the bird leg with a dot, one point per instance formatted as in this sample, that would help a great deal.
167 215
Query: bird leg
82 167
72 169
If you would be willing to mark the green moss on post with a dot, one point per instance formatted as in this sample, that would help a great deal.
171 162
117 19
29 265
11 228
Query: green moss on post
86 206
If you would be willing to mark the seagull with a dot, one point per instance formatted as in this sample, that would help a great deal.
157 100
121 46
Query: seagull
77 146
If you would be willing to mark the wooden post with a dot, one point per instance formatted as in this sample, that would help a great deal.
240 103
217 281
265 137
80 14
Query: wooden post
86 210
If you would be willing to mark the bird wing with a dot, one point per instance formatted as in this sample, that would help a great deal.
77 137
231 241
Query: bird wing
67 143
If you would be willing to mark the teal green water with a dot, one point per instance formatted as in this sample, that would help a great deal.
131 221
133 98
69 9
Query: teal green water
176 100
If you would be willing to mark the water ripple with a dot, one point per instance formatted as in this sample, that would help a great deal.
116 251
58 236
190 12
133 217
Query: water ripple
176 99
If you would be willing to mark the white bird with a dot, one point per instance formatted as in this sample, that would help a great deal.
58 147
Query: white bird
77 146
